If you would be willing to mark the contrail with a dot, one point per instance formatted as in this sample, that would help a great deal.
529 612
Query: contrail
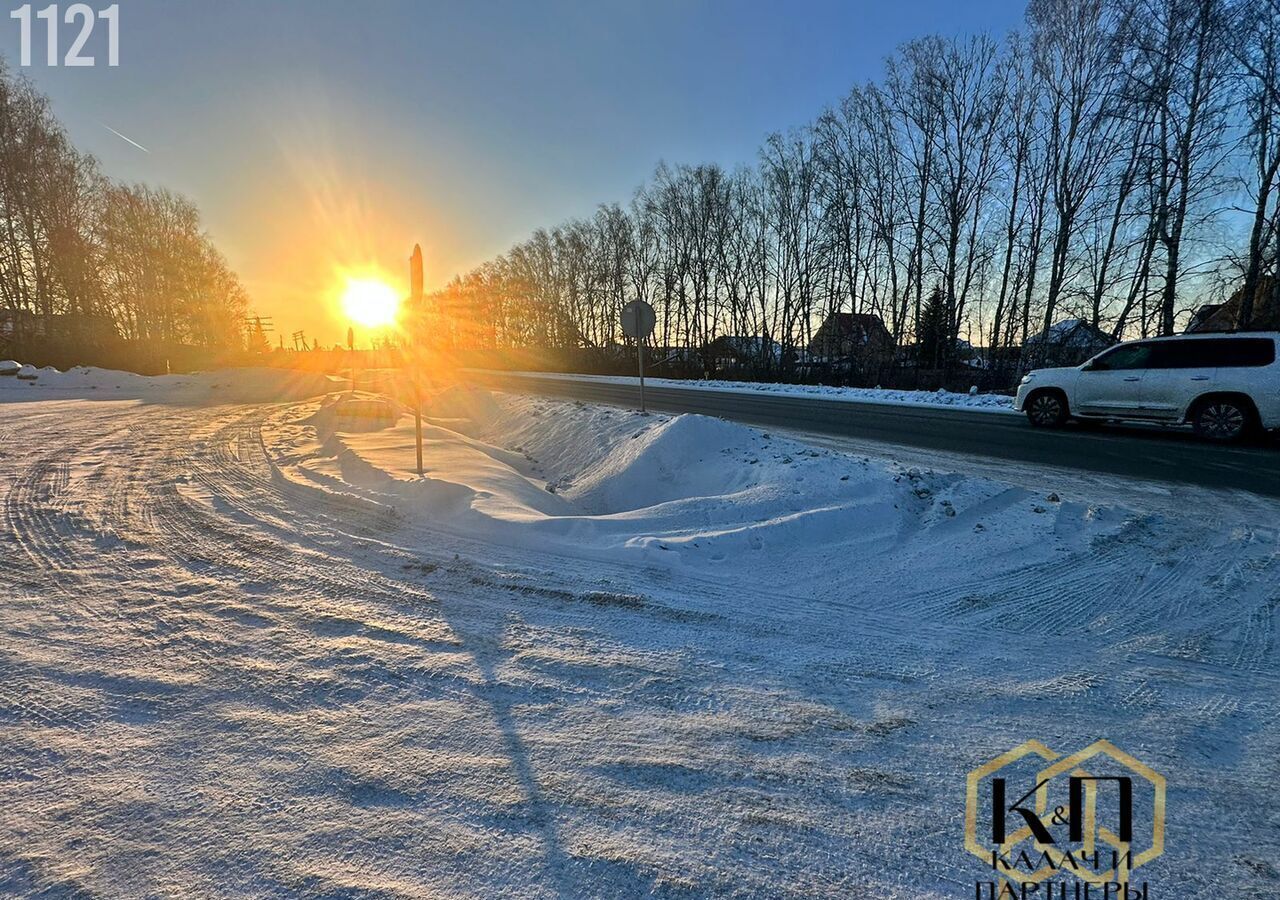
124 138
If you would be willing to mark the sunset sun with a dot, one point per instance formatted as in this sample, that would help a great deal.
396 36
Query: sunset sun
370 302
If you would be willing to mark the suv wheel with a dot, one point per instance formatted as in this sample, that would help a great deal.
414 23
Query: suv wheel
1222 419
1047 409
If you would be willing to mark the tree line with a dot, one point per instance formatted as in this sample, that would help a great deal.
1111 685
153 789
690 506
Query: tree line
1114 161
85 260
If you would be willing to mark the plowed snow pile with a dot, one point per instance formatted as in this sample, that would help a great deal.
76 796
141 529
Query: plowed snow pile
685 492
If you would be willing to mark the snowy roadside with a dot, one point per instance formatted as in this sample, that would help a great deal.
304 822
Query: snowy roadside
692 496
232 385
682 493
994 403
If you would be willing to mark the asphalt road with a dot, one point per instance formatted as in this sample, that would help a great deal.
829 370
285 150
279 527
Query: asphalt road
1156 454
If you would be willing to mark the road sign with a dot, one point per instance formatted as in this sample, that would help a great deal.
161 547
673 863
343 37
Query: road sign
638 320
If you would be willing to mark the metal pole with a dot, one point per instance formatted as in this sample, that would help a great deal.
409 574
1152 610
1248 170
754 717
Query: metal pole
640 346
417 416
351 355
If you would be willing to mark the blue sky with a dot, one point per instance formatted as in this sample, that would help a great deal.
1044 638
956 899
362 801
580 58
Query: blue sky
320 135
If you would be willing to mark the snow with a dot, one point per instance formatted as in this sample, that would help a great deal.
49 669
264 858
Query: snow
241 385
684 492
248 651
9 366
1066 326
994 403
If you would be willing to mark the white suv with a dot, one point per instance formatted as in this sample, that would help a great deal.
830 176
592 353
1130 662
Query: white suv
1223 385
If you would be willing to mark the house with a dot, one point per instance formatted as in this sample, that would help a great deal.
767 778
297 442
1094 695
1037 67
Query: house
1067 343
1225 316
858 336
734 351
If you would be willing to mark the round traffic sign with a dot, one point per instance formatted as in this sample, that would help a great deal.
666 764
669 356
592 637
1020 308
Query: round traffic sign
638 319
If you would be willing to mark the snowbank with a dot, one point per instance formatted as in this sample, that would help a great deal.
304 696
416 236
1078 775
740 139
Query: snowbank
997 403
233 385
686 492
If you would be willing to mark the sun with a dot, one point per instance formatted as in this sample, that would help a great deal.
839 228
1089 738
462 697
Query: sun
370 302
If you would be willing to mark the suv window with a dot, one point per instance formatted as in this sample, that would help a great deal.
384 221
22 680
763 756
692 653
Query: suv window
1126 356
1210 353
1246 352
1187 354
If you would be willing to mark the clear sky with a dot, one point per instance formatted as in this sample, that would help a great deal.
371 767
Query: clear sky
318 135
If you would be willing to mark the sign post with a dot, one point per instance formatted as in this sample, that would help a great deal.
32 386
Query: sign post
416 340
417 412
638 321
351 355
640 356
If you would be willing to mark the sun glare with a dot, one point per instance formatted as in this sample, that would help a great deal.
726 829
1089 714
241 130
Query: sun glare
370 302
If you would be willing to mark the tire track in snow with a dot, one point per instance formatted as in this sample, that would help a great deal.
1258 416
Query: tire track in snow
306 594
143 508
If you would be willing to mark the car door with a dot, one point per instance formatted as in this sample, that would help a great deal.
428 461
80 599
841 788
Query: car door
1179 371
1111 384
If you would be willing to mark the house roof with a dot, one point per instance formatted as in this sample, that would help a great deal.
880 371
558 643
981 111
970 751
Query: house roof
1266 313
1071 333
854 321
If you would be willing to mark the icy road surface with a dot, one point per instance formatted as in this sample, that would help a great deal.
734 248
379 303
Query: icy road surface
245 653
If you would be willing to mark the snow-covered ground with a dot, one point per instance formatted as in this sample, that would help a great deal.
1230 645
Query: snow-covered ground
683 495
247 651
998 403
231 385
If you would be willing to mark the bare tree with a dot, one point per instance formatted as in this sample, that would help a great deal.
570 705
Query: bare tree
1180 72
968 88
1076 60
1257 52
1077 168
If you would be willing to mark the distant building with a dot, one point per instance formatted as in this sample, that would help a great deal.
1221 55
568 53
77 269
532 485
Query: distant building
1202 316
1225 316
859 336
1067 343
734 351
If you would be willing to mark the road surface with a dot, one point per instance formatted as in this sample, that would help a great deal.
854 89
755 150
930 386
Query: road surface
1137 453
